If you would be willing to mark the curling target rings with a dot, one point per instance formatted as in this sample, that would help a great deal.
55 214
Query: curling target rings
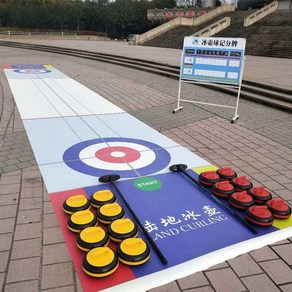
32 71
100 157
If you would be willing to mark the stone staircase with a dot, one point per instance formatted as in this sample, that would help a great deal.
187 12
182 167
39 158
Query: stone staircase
174 38
270 36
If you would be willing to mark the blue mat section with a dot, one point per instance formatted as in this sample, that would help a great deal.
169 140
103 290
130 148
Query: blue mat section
183 221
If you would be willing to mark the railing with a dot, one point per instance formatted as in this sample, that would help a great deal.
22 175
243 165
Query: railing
214 27
40 33
140 39
261 13
50 34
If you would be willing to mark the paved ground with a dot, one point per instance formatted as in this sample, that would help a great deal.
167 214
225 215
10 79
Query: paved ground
33 254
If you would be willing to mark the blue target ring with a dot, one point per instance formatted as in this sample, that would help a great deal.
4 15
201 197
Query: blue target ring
161 158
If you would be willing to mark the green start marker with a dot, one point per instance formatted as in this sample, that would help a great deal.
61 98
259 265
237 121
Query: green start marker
147 184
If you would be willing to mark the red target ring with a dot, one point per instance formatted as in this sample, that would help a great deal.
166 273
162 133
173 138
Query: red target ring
117 154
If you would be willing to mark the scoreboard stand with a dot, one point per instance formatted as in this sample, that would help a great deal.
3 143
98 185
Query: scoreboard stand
212 61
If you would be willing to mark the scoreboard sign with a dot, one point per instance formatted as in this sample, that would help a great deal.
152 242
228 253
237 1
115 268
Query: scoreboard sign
211 59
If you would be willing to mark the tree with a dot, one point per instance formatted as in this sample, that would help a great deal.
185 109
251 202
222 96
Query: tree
76 13
117 18
90 11
123 15
160 4
60 14
140 22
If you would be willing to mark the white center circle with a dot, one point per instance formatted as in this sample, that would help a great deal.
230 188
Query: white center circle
118 154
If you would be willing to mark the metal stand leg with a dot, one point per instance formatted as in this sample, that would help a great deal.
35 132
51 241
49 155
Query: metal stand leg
234 119
178 107
236 116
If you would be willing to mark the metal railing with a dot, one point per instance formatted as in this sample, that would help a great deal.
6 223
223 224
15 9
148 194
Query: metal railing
140 39
72 35
261 13
214 27
38 33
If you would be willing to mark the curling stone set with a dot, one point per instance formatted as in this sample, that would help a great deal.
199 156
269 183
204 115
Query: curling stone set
100 260
257 202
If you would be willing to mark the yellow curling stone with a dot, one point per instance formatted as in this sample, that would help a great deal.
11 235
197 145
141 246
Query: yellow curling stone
92 237
76 203
100 262
133 251
110 212
101 198
122 229
80 220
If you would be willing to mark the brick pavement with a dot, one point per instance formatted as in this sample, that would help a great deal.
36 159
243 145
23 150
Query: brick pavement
33 255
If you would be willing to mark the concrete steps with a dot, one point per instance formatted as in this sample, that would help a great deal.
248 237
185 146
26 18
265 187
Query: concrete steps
254 91
271 36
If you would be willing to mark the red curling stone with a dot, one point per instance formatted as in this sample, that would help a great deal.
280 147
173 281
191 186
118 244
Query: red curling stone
208 178
259 215
241 183
226 173
260 195
222 189
241 200
279 208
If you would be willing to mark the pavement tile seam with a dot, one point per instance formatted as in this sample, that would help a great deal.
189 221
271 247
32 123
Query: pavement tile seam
281 242
262 254
60 289
262 274
196 287
279 255
42 222
22 270
63 271
53 264
76 281
260 283
234 281
234 271
44 244
286 288
210 283
14 240
21 286
196 280
254 274
277 265
10 250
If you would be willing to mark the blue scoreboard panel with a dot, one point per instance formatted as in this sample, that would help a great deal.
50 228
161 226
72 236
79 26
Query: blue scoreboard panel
211 59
